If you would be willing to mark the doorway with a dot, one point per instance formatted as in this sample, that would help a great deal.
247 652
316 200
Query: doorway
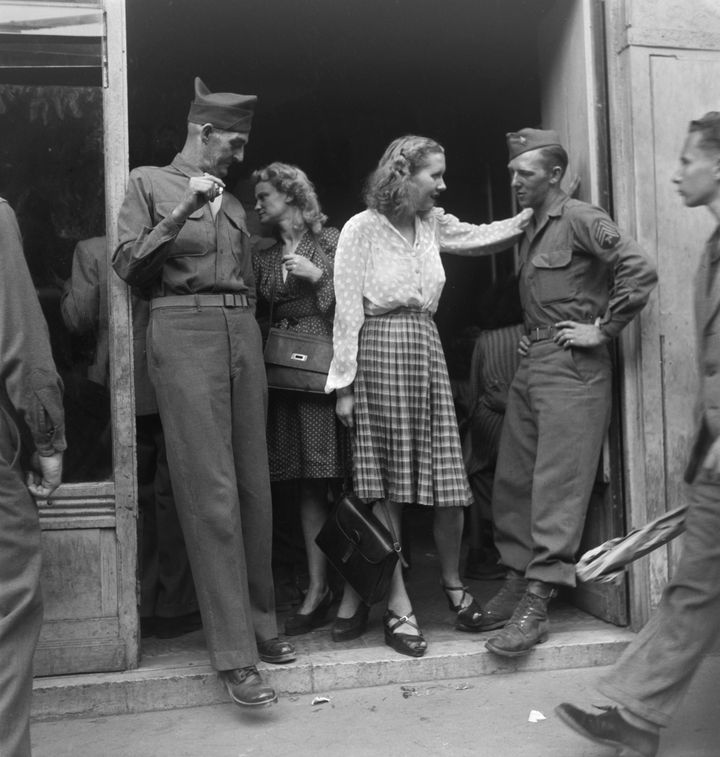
337 81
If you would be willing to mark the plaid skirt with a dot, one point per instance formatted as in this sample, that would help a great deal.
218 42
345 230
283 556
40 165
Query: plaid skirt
406 443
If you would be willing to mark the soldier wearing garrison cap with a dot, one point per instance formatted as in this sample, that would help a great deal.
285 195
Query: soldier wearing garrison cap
582 280
184 241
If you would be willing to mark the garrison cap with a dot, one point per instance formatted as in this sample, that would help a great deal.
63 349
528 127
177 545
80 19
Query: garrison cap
530 139
224 110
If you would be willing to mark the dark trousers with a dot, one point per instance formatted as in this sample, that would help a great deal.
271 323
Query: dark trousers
653 673
20 598
207 368
557 415
166 582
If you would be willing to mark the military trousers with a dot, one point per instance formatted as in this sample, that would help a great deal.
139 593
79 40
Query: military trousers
20 597
207 368
557 415
653 673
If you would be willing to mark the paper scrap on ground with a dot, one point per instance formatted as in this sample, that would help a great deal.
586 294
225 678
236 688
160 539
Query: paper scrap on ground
320 700
535 716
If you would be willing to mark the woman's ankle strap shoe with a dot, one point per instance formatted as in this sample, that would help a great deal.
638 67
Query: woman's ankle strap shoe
469 617
404 643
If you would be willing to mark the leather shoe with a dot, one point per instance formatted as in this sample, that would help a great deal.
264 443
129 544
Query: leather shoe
276 651
499 609
610 729
528 626
303 622
346 629
247 688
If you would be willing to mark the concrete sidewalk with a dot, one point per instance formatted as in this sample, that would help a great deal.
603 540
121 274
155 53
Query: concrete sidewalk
486 716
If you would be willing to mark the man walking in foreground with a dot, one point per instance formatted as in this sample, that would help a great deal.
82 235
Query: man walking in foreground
651 677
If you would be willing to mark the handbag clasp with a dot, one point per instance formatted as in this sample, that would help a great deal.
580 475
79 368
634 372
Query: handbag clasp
299 357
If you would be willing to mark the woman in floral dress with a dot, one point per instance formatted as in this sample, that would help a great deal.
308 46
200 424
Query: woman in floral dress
304 437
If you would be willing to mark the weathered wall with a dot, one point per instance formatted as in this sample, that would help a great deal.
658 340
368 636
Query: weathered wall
692 20
663 66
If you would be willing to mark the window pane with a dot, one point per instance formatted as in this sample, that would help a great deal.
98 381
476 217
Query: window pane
52 173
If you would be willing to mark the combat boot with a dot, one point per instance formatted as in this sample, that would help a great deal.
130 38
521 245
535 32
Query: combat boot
497 612
528 625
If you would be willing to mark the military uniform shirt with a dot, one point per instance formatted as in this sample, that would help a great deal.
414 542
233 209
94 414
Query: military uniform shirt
577 266
30 388
203 255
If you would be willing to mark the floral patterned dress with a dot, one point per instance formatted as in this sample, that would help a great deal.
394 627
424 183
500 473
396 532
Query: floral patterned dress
305 439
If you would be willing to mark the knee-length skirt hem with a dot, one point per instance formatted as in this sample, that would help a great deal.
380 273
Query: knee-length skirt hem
406 445
305 438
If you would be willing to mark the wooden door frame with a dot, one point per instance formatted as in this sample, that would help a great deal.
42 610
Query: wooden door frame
103 514
116 144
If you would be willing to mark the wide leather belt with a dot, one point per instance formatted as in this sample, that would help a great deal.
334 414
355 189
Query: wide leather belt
542 333
201 300
402 310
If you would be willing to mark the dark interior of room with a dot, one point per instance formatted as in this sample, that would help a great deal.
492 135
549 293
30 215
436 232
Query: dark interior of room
336 82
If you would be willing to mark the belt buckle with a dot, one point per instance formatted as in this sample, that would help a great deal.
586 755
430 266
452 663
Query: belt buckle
229 300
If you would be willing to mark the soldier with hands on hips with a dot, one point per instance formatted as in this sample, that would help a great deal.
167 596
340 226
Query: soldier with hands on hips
581 282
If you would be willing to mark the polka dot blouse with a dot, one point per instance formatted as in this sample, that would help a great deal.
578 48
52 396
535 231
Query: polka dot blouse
377 270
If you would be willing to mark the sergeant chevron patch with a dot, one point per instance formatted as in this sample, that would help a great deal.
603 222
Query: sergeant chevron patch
606 233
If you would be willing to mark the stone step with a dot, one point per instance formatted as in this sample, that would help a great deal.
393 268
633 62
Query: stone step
189 681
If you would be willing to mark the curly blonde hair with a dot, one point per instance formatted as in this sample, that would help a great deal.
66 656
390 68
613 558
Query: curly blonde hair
293 182
388 189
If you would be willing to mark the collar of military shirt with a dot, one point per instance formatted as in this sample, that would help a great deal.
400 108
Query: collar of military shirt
224 110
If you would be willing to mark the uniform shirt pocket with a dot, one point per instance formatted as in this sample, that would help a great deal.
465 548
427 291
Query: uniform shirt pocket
554 279
193 237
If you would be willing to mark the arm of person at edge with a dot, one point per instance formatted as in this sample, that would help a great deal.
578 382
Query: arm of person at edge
634 276
80 302
351 257
144 247
474 240
28 372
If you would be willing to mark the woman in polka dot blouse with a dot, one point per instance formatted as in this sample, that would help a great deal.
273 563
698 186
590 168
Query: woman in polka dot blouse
389 372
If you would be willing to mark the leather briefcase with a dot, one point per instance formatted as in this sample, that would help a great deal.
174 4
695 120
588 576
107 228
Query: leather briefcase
359 547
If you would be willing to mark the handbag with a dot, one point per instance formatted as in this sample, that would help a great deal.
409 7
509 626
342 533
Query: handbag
296 361
360 547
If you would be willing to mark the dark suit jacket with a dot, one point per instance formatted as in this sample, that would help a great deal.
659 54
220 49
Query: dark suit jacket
707 323
84 308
